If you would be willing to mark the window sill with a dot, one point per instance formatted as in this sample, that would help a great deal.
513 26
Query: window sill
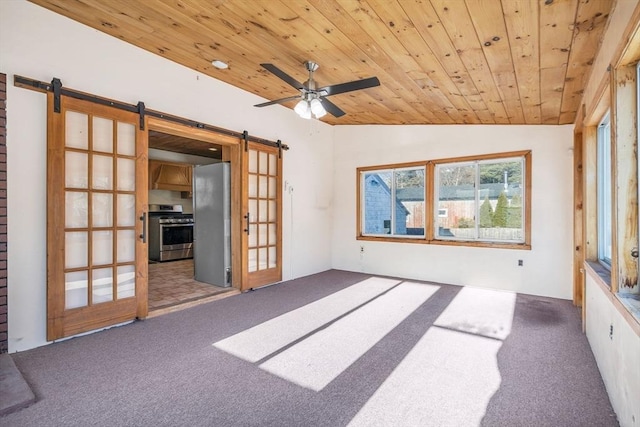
603 273
628 305
632 303
423 241
495 245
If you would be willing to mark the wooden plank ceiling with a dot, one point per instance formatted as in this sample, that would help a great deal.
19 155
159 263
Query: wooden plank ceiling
179 144
438 61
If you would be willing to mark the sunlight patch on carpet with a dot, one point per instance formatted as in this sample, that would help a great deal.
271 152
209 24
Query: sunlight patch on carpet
447 379
319 359
480 311
266 338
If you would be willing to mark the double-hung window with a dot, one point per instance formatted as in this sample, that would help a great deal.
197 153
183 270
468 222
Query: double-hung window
484 200
604 191
392 201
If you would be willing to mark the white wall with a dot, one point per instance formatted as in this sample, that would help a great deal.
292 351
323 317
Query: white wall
166 197
618 356
40 44
547 266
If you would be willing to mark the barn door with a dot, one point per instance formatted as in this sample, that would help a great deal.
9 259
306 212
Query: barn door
262 207
96 202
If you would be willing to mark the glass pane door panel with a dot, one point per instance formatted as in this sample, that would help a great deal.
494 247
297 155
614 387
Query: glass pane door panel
253 209
126 245
272 257
253 161
253 186
76 249
273 165
253 260
262 234
272 188
126 210
76 130
262 162
76 170
102 209
272 234
102 285
102 135
126 175
253 236
262 187
126 287
262 211
126 139
272 211
102 246
262 259
76 286
102 172
76 209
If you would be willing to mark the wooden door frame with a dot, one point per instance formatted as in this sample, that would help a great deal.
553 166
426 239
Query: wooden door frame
232 153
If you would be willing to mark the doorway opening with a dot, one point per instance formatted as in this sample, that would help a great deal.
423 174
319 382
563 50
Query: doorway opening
173 154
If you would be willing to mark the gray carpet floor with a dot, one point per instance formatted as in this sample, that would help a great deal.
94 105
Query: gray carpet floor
410 355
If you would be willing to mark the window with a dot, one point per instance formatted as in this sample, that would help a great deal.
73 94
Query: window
474 201
483 200
393 202
604 191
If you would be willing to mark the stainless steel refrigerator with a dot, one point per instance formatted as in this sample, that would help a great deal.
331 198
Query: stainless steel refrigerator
212 224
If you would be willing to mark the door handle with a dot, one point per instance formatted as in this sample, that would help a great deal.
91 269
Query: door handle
143 236
246 230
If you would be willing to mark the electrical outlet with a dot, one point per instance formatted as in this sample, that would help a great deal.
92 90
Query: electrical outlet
611 331
520 263
361 249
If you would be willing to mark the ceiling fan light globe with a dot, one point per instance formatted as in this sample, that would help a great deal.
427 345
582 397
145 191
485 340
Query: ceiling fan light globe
320 115
306 115
302 108
317 109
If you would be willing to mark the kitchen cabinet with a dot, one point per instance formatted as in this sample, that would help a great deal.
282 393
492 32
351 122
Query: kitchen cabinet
171 176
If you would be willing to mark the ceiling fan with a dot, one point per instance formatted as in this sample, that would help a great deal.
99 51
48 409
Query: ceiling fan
313 100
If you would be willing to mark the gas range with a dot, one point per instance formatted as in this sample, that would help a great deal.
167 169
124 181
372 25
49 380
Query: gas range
170 233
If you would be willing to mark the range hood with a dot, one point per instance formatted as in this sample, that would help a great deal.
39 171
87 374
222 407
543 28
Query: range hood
170 176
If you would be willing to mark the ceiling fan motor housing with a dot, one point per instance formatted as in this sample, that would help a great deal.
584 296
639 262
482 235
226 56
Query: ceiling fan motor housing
311 66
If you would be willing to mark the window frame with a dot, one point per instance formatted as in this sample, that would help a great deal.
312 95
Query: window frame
604 202
362 172
431 213
477 198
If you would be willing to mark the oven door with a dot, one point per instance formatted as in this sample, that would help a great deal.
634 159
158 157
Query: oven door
176 241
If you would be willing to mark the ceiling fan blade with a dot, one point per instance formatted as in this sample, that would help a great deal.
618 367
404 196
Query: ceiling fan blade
283 76
278 101
332 108
350 86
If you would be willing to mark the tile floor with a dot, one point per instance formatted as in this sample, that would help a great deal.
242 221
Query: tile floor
172 283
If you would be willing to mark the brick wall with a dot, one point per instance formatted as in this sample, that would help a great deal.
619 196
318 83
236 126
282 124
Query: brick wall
3 215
